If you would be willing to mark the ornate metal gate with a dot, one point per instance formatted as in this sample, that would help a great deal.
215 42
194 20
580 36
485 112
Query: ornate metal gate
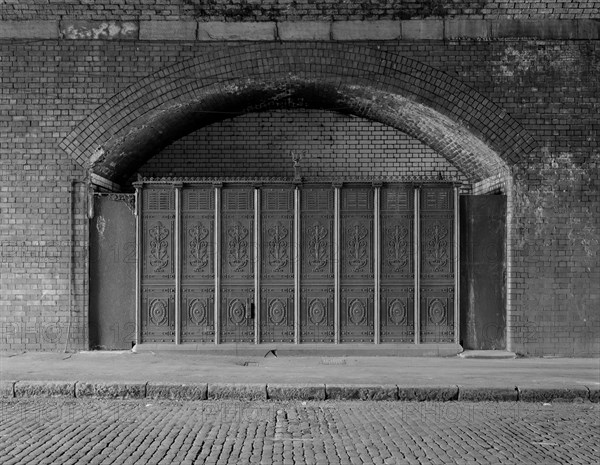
283 262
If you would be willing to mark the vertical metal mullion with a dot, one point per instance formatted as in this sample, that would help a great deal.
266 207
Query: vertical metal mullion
138 263
257 246
377 261
297 265
217 262
337 263
456 267
177 188
417 264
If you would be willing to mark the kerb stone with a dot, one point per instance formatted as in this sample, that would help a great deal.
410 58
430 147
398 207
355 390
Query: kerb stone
361 392
177 391
550 394
44 389
237 391
111 391
296 391
491 394
422 394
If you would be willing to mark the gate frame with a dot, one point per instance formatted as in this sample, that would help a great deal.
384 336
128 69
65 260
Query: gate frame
217 183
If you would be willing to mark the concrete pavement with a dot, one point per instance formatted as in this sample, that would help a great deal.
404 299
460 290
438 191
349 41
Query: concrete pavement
193 376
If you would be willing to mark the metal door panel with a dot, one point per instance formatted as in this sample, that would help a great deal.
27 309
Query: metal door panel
437 264
277 265
112 272
197 276
397 264
237 265
317 266
483 292
397 314
316 314
158 314
158 265
357 278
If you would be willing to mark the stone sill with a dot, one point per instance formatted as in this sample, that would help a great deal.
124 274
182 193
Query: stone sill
410 30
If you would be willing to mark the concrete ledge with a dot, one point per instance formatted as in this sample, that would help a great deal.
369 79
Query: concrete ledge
99 30
422 394
594 393
7 389
237 391
467 28
365 30
216 30
558 394
414 29
492 394
588 29
304 30
28 29
546 29
423 29
296 391
111 391
361 392
168 30
177 391
44 389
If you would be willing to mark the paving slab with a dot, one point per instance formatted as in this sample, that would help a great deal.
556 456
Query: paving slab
188 375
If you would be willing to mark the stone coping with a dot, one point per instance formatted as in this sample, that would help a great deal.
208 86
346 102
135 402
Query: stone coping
294 392
377 30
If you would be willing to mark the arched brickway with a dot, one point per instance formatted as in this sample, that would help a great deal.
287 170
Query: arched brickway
459 123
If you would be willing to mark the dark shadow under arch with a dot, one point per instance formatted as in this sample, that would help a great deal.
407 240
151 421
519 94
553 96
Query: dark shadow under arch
462 125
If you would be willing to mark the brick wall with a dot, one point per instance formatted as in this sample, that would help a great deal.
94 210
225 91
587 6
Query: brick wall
269 10
260 144
549 87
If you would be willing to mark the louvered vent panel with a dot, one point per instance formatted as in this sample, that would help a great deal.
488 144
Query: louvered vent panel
238 200
437 199
160 200
199 199
396 200
317 199
357 200
278 200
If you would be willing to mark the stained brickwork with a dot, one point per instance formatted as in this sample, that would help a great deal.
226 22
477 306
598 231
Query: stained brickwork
270 10
333 146
512 114
425 102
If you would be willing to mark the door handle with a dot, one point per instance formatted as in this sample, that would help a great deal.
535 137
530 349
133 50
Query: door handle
251 316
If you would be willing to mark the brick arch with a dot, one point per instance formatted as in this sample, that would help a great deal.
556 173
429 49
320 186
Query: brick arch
465 127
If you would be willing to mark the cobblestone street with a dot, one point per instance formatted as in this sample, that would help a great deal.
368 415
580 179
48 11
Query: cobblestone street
53 431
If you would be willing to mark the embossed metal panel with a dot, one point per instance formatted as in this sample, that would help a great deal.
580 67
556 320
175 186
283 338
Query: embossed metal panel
317 267
437 264
237 264
397 264
158 265
197 275
277 265
357 278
